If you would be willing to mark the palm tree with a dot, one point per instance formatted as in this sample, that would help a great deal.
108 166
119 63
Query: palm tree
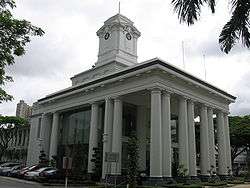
236 29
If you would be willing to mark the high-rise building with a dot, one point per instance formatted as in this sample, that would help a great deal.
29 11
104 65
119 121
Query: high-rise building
23 110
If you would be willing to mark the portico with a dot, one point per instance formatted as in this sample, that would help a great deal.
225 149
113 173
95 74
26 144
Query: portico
158 101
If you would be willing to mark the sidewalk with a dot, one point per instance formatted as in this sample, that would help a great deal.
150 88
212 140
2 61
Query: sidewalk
242 186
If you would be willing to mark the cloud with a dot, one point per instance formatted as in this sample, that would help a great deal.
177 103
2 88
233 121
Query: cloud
242 89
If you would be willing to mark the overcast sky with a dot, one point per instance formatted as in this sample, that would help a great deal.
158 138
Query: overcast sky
70 46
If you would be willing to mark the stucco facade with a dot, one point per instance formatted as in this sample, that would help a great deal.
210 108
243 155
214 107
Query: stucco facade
153 98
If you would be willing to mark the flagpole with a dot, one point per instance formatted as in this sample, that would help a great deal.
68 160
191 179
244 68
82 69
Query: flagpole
204 62
183 55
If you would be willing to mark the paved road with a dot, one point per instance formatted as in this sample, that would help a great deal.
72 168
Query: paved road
6 182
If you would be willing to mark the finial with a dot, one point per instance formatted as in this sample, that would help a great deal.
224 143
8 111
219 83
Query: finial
119 8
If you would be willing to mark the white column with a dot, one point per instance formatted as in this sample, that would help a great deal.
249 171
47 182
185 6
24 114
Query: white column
212 159
183 134
93 135
141 136
11 141
27 138
107 135
17 138
45 133
117 135
227 140
166 136
54 135
222 163
14 138
155 137
204 143
191 139
22 136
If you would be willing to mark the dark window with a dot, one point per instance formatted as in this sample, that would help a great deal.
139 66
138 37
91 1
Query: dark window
19 138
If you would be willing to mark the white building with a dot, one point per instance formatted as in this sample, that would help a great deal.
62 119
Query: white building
118 95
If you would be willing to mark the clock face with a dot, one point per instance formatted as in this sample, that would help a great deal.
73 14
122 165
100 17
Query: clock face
106 36
128 36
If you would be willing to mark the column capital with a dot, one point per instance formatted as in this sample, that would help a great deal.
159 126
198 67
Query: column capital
210 107
45 114
118 98
183 97
155 89
167 93
108 98
191 101
203 105
223 112
54 112
95 102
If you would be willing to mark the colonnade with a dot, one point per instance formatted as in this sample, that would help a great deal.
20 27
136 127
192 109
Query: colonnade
160 139
20 138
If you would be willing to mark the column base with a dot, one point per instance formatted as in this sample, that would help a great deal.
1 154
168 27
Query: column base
214 179
204 178
116 179
154 181
185 179
169 180
194 179
225 177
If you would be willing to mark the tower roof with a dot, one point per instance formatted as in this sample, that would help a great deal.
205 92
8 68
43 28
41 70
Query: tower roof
120 21
118 18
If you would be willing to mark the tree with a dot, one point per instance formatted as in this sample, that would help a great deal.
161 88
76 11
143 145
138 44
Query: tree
239 134
43 159
14 35
8 127
132 160
97 160
237 28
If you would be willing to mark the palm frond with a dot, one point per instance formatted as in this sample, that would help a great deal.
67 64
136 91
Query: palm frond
234 4
211 4
237 28
188 10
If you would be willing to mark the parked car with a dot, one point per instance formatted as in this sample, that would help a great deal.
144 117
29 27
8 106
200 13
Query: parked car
32 175
6 171
16 173
27 169
51 174
7 166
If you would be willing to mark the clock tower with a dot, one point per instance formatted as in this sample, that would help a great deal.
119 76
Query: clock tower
117 41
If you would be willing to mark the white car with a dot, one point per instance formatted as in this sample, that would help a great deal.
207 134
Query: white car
7 166
34 174
6 171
